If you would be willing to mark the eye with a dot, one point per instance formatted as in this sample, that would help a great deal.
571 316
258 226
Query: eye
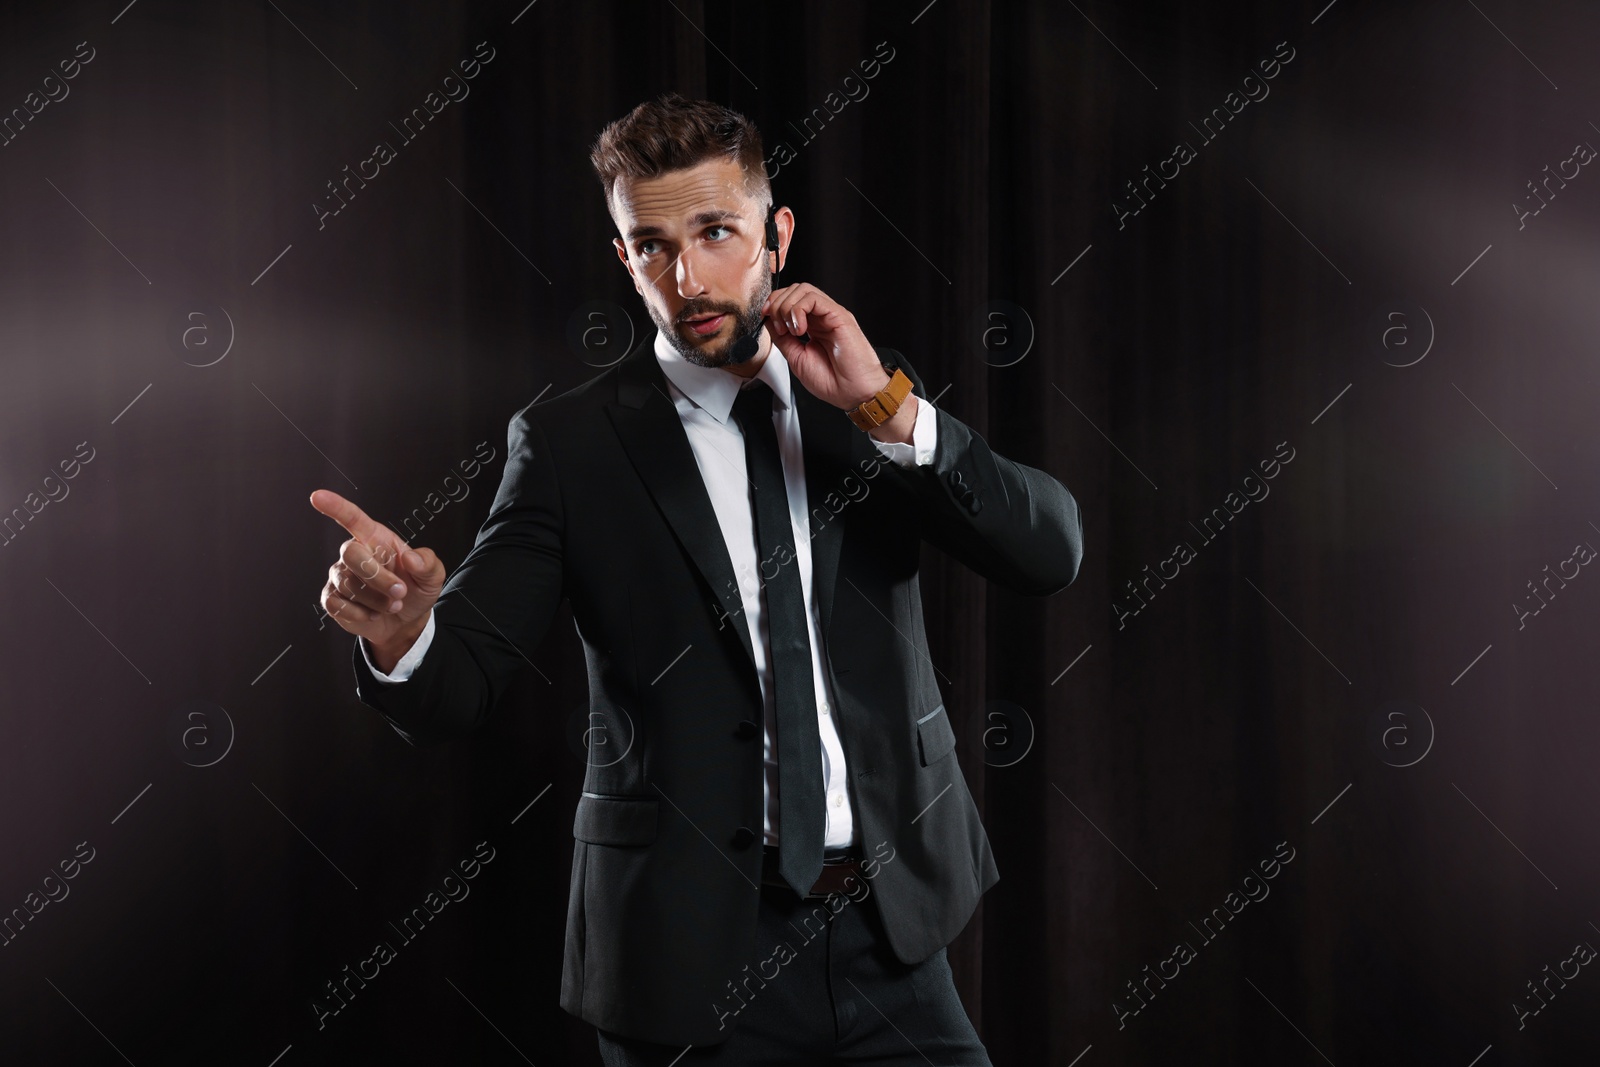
646 248
714 229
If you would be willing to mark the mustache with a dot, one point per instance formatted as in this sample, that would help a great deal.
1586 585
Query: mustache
694 310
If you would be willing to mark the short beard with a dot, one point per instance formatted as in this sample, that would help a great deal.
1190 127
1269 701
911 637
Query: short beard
746 323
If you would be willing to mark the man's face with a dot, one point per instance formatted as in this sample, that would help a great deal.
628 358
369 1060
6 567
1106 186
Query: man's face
693 240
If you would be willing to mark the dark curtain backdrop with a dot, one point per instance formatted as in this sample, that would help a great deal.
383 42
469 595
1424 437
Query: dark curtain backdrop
1370 674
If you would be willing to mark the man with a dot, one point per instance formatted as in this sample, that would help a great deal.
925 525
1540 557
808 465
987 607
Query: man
735 512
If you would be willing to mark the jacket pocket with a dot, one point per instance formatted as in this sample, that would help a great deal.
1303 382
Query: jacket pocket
615 820
935 735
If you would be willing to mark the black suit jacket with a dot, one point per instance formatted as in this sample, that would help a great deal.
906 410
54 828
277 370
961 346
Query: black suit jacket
602 503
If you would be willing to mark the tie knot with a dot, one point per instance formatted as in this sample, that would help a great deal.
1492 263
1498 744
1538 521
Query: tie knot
753 402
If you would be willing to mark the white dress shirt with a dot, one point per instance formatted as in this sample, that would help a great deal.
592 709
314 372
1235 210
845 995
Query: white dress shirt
704 398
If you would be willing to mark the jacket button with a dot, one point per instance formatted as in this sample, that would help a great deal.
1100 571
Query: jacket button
955 477
974 505
743 837
746 730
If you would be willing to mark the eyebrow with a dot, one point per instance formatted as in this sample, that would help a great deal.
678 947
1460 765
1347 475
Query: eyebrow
705 218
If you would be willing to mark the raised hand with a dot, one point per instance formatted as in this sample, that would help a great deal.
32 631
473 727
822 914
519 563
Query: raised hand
823 345
380 588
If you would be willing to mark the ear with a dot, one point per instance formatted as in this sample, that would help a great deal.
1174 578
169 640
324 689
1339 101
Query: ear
785 220
622 254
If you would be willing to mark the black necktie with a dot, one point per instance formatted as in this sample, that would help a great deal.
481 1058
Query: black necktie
800 810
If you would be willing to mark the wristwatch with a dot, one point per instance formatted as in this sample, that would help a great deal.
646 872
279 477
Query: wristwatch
881 406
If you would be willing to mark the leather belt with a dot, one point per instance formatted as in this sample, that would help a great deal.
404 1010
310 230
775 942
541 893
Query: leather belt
841 872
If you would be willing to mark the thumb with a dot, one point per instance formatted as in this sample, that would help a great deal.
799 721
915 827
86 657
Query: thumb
793 349
425 569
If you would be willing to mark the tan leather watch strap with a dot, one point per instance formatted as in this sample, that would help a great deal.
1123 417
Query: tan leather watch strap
881 407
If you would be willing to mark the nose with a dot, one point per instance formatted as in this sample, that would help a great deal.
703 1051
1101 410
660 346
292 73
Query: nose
689 285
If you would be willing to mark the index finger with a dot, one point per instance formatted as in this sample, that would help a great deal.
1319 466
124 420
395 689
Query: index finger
777 296
807 302
346 514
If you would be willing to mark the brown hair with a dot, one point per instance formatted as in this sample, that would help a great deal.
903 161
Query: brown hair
672 133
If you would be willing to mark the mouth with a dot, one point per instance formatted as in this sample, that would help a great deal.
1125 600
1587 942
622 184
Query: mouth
706 325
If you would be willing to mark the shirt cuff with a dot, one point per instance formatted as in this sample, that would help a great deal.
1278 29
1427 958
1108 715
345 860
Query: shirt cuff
408 662
924 436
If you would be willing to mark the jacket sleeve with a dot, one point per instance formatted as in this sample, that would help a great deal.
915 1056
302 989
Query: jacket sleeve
1014 525
494 609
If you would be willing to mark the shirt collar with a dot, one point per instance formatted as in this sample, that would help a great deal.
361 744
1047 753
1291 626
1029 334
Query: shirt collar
713 389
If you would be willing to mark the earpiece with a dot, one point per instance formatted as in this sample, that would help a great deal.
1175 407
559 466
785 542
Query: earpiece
772 238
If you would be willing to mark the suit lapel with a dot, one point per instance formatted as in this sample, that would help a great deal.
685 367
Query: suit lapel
652 434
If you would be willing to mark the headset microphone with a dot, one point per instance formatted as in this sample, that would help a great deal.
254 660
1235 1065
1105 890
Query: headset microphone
745 347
